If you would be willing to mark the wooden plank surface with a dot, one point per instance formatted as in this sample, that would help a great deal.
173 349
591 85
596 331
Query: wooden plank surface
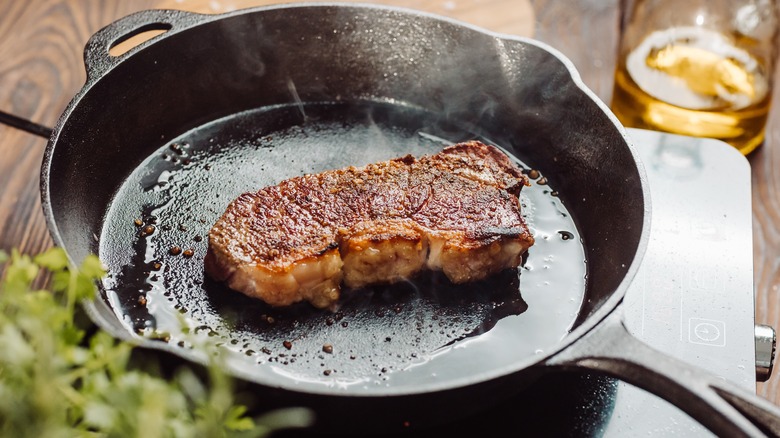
41 68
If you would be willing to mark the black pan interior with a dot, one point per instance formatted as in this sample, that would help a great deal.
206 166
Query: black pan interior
216 77
175 196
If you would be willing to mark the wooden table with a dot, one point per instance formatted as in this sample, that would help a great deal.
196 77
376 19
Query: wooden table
41 68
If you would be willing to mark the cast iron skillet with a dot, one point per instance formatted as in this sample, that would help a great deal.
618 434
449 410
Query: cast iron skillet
169 132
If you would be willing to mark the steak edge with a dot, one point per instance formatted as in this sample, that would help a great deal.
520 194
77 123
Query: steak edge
457 211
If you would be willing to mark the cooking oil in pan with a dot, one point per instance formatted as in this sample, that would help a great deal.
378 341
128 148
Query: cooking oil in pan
155 238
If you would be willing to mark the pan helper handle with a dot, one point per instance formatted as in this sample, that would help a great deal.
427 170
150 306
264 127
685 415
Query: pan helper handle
97 58
722 407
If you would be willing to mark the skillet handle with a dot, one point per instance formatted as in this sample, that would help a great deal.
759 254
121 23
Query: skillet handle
722 407
97 58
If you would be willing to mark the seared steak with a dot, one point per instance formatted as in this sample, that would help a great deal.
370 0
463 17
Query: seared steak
457 211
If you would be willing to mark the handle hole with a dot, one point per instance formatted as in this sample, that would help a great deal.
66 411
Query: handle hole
144 33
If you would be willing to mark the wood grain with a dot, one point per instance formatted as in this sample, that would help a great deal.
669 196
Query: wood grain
41 68
765 164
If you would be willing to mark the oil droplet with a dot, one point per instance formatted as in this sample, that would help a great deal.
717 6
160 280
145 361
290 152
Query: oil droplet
566 235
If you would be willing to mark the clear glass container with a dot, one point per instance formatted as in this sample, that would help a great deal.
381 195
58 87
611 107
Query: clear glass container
702 68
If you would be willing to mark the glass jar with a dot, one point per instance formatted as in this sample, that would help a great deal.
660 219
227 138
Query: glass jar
702 68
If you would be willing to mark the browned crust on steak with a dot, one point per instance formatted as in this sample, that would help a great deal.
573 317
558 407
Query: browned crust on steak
456 211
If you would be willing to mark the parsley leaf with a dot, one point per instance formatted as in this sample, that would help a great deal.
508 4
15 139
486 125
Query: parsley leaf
56 380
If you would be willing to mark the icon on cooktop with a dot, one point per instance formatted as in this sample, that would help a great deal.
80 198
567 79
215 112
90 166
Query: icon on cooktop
707 332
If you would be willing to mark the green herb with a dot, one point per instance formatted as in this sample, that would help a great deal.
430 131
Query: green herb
58 380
